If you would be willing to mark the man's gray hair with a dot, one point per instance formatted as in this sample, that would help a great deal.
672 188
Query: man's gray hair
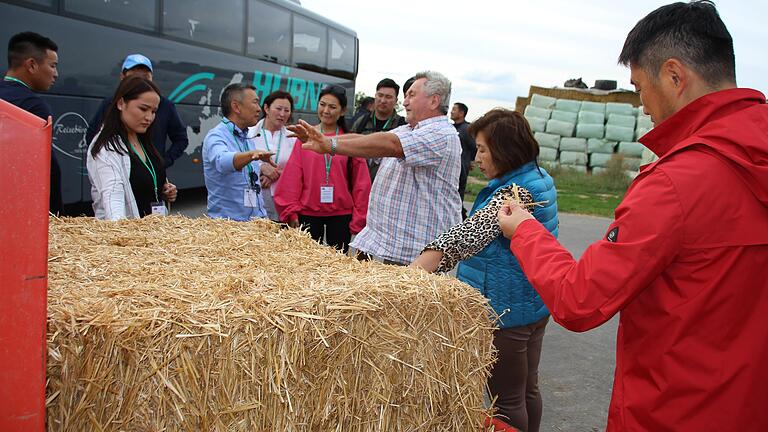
437 84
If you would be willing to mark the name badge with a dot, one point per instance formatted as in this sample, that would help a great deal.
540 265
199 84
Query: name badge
326 194
158 208
251 198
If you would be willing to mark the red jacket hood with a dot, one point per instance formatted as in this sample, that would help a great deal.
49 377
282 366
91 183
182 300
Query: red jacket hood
708 122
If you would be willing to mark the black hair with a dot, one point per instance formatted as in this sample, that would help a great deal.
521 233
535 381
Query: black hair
367 101
341 94
463 108
509 138
24 45
275 95
388 83
230 93
690 32
408 83
112 126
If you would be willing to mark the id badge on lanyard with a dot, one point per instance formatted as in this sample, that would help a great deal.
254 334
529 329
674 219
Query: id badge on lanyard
326 194
326 189
158 208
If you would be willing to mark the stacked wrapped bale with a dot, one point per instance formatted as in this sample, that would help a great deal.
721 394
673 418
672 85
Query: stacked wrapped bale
212 325
549 145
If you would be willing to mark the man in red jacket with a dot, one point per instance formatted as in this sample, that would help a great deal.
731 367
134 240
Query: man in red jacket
686 260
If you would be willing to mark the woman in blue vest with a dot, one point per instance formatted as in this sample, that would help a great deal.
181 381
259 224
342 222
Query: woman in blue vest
506 154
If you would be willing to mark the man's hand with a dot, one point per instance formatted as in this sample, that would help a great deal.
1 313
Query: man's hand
294 223
265 181
170 191
311 138
429 260
270 171
511 215
262 156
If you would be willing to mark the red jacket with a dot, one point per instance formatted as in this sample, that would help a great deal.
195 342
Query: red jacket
686 264
298 191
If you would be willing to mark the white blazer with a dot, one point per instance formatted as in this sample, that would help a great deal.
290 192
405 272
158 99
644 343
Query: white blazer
110 173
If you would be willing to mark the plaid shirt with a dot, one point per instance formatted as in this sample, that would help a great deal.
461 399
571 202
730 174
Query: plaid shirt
416 198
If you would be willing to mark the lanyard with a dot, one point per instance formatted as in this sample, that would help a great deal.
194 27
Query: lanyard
10 78
239 147
279 143
385 124
150 167
328 158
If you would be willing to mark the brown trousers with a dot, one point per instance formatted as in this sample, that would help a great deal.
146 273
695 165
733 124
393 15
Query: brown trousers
514 380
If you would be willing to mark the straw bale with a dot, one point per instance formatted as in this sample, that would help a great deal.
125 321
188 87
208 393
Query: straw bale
176 324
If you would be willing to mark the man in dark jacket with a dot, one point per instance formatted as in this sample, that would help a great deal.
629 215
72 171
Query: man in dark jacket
685 263
468 147
167 121
32 67
382 119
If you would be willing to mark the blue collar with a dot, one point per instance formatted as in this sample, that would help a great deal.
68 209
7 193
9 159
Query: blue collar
506 178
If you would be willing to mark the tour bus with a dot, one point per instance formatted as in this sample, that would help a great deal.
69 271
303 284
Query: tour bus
197 47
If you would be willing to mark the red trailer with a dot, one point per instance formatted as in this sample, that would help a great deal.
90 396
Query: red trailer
25 164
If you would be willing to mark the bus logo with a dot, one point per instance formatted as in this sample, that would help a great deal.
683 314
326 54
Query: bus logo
69 135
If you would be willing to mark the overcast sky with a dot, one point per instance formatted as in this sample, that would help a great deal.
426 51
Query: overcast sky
493 51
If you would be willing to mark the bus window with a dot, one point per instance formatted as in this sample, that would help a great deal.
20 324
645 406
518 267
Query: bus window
309 44
269 32
218 23
46 3
134 13
341 53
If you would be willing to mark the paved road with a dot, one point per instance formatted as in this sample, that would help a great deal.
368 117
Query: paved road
576 370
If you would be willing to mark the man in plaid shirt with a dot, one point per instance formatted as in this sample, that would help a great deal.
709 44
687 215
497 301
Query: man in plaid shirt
415 194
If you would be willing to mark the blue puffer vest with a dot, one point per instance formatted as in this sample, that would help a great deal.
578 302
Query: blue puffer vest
495 271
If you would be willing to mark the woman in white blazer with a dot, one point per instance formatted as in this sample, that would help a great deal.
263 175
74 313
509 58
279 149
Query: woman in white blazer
126 171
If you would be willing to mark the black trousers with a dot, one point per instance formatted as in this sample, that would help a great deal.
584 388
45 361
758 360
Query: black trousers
335 229
514 379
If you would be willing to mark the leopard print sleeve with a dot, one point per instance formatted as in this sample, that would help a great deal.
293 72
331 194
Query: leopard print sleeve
476 232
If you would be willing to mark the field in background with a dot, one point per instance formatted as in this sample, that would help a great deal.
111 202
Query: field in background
577 192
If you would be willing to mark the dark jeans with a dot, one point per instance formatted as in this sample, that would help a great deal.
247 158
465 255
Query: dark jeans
335 229
514 380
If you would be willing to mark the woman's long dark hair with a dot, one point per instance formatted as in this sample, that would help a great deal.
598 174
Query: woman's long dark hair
112 126
339 93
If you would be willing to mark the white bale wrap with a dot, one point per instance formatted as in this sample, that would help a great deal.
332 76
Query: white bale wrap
589 117
542 101
618 133
568 105
547 140
590 130
534 111
595 145
621 120
573 144
565 116
618 108
547 154
560 128
537 124
598 107
634 149
573 158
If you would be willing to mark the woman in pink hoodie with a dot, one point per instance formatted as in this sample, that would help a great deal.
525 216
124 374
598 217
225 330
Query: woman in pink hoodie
325 194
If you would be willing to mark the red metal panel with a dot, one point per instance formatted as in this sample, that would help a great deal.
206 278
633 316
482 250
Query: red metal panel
25 164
